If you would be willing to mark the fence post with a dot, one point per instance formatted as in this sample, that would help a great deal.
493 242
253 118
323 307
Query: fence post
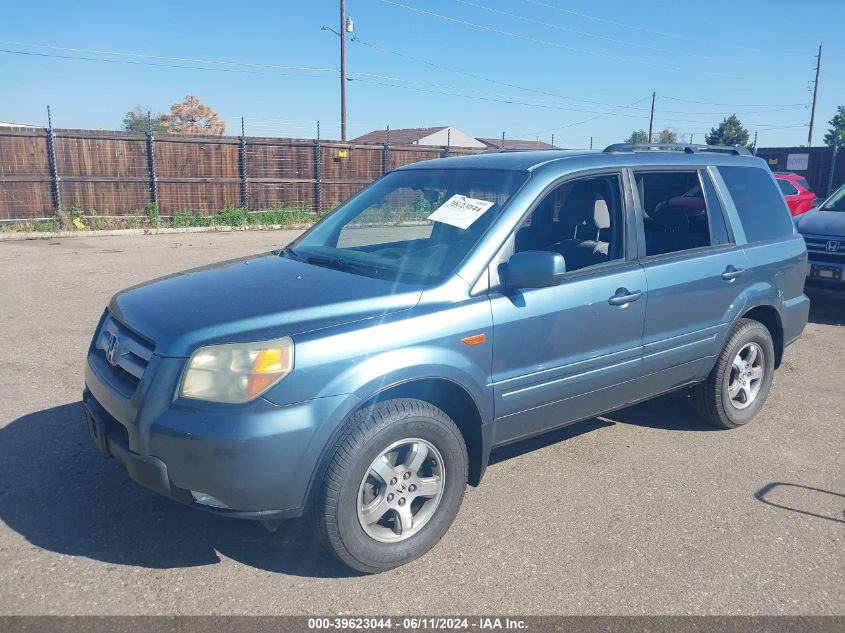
54 167
832 169
242 168
151 162
385 153
318 172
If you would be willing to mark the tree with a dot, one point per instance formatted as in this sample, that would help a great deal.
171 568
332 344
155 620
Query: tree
638 136
836 134
192 116
729 132
667 135
136 120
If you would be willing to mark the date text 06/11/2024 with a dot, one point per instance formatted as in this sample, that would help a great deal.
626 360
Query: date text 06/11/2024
417 623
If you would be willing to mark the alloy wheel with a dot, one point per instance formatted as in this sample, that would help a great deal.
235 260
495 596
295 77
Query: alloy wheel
746 375
401 490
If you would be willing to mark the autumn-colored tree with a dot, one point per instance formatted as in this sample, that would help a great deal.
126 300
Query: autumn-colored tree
192 116
667 135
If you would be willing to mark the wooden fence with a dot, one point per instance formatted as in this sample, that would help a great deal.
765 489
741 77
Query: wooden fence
120 173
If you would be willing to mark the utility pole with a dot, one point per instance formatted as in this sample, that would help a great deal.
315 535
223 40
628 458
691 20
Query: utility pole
651 118
755 142
343 71
815 93
591 142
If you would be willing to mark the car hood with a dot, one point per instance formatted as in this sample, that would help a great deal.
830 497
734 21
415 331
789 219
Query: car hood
258 298
826 223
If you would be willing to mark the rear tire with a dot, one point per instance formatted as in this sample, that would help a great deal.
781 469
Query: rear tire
739 383
395 480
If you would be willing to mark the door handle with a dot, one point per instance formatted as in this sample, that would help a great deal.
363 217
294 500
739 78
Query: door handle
732 273
623 296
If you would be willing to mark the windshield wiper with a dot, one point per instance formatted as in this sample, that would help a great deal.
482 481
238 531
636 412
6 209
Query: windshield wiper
339 263
287 251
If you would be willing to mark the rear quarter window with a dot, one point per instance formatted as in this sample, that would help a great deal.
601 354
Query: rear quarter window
759 203
786 187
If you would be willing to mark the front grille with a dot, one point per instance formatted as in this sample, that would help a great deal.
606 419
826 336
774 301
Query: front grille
817 248
131 352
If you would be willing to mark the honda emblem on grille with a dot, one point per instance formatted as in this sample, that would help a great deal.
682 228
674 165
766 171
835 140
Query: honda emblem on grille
832 246
113 350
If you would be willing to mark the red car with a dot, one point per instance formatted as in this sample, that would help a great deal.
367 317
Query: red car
797 192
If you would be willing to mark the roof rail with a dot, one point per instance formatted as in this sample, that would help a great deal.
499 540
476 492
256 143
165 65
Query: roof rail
676 147
508 150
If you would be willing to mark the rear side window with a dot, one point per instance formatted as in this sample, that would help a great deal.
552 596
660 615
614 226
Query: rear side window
676 216
761 206
786 187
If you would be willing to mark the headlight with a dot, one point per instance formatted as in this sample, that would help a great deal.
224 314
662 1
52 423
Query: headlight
236 372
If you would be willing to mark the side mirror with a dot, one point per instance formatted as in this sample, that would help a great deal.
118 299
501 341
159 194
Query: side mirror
815 204
534 269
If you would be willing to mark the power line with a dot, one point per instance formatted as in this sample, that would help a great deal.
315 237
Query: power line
140 63
441 89
329 70
170 58
481 77
736 105
563 127
543 92
643 29
549 43
501 97
517 16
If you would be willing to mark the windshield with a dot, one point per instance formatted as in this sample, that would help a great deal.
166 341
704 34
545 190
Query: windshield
413 225
836 202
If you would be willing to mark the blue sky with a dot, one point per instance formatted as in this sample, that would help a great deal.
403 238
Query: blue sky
572 68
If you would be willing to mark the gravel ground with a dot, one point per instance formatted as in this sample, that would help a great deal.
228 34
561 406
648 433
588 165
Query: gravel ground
644 511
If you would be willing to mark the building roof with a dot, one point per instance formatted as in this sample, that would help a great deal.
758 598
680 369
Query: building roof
401 136
11 124
513 143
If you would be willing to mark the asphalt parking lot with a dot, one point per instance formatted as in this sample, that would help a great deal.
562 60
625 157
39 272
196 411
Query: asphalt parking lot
644 511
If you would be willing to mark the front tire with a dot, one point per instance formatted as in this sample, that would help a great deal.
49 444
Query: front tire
395 480
739 383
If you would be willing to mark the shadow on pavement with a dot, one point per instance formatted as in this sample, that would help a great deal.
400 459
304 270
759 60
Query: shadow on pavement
509 451
61 495
672 412
814 502
826 309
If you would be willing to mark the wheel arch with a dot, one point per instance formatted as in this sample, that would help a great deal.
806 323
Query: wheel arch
447 395
454 401
769 316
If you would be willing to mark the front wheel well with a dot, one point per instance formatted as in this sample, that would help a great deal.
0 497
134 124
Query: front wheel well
769 317
455 402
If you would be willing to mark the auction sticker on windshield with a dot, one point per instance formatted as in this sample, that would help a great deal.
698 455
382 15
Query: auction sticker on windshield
460 211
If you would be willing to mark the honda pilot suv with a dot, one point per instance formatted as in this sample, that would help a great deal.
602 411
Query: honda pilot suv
364 373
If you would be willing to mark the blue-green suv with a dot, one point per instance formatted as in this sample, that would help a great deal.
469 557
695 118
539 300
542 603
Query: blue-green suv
364 373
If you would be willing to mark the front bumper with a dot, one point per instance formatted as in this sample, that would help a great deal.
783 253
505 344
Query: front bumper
826 274
254 461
